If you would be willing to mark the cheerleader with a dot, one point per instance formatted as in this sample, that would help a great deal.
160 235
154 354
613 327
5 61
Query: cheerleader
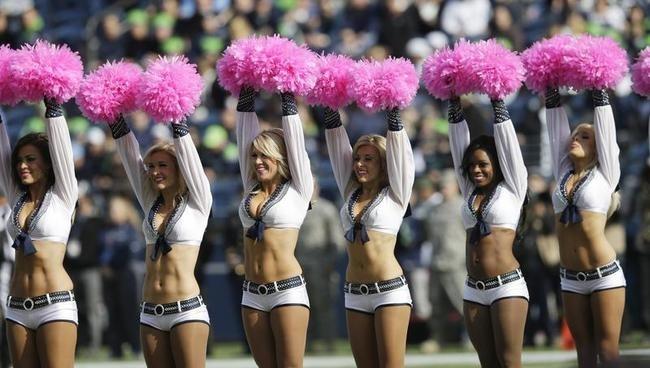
587 171
38 177
278 186
376 179
493 180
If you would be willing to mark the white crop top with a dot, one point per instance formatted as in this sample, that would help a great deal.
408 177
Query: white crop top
503 207
287 206
386 211
190 217
593 192
53 219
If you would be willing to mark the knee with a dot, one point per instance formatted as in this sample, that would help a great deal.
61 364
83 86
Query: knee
608 352
511 360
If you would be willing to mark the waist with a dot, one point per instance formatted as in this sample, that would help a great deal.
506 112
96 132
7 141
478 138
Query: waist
597 273
273 287
40 301
179 306
374 287
493 282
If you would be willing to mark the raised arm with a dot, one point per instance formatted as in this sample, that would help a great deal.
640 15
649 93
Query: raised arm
7 181
129 150
510 159
559 133
248 127
400 165
459 141
294 139
339 150
65 183
605 133
191 168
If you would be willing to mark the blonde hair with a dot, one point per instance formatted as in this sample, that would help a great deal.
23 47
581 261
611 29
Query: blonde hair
271 144
169 149
615 202
379 143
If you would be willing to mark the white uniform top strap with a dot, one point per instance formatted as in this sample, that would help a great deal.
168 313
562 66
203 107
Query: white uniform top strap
340 152
559 134
606 146
298 160
248 128
129 150
60 145
191 168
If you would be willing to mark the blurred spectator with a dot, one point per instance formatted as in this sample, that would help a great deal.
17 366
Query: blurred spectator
641 250
7 257
320 242
466 18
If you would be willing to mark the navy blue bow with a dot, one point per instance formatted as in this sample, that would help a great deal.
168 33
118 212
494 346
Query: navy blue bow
363 234
161 245
256 231
480 230
24 241
570 215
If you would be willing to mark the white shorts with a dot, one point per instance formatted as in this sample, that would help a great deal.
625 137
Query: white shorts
368 302
37 317
614 280
265 303
165 322
488 296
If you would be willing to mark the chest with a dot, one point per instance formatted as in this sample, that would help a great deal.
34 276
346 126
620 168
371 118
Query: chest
256 203
26 212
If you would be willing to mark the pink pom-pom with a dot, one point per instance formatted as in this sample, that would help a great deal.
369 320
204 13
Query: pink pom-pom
47 70
241 64
641 73
499 71
332 88
552 63
603 63
270 63
109 91
439 74
384 85
170 89
8 89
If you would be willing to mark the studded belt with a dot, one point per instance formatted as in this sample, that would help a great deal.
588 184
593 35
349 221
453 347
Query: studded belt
599 272
173 307
273 287
40 301
494 282
374 287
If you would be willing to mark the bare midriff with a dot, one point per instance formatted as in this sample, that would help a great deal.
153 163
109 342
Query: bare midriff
583 246
41 272
272 258
492 256
170 277
374 260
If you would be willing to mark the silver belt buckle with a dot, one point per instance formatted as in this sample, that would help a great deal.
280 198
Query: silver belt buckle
28 304
262 290
581 276
480 285
158 310
364 289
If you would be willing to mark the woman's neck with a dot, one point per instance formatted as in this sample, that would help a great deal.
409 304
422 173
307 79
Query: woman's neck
269 186
370 189
36 191
580 166
169 195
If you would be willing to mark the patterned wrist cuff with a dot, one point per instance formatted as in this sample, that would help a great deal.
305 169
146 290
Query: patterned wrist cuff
119 128
600 97
289 106
52 109
500 111
455 111
394 120
246 101
180 129
552 98
332 119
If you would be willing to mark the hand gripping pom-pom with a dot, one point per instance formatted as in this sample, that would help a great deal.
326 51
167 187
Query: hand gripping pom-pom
170 89
109 91
47 70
